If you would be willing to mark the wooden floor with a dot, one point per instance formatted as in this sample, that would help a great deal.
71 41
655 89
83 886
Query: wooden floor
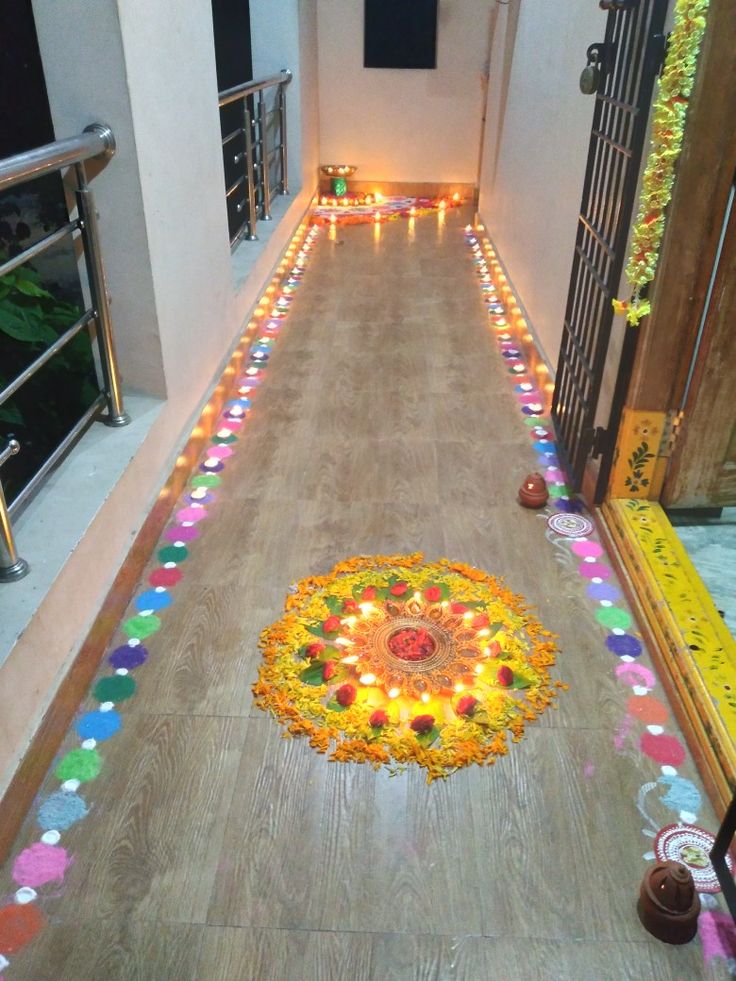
218 850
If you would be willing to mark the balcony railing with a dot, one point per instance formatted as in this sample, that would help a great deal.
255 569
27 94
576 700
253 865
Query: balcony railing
254 147
96 141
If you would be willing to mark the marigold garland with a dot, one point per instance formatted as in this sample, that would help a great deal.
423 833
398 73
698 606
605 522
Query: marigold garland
668 127
316 685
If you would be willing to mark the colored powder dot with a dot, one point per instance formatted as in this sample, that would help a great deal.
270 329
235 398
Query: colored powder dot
594 570
587 549
165 577
613 617
624 645
39 864
115 689
556 491
647 709
178 533
662 749
603 591
61 810
128 657
636 675
98 725
224 440
19 924
141 627
79 764
191 514
682 795
173 553
151 600
544 446
219 452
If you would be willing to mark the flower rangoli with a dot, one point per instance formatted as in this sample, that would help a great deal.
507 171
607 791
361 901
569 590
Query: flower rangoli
390 660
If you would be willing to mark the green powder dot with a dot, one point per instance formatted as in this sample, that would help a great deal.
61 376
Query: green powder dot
173 553
224 440
612 616
114 689
79 764
555 491
206 480
139 628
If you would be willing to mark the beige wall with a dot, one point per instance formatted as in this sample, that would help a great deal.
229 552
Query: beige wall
398 125
535 148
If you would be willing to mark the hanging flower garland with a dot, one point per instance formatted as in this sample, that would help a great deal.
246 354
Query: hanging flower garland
668 126
389 660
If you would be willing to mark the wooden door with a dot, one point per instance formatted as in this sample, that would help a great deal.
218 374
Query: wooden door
702 470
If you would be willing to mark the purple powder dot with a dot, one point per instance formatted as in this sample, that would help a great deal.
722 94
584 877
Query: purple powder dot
177 533
128 657
624 645
603 591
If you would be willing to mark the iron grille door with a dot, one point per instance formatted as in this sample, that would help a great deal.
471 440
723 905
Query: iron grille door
628 60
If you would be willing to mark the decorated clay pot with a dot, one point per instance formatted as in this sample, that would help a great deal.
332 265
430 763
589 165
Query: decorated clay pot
668 904
533 492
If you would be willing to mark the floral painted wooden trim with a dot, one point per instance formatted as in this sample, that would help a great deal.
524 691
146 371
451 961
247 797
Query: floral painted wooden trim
706 651
634 473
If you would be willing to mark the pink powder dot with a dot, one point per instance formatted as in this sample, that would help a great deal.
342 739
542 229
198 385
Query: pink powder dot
554 476
191 514
636 674
594 570
39 864
232 424
219 452
587 549
662 749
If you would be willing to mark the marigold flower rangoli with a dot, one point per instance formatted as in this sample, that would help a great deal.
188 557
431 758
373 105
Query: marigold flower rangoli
391 660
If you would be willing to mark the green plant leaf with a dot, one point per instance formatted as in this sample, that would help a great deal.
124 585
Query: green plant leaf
313 674
11 414
520 682
24 324
334 706
333 604
495 627
427 738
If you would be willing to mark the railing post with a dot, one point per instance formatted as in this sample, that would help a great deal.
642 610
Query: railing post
11 566
282 139
100 303
265 176
249 174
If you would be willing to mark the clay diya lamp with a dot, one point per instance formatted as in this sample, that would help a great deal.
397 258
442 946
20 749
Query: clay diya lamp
668 904
533 492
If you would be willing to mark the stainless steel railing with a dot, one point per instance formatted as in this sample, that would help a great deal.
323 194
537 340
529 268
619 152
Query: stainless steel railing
97 141
250 186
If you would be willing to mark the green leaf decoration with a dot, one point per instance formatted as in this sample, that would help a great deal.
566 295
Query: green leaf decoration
313 674
520 682
495 627
443 588
427 738
318 631
333 604
334 706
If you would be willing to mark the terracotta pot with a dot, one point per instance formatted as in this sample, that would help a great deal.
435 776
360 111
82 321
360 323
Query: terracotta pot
668 904
533 492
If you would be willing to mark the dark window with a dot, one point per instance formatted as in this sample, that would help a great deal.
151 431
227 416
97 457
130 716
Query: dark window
400 34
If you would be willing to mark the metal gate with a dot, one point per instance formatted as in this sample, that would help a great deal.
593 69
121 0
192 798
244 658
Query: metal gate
622 70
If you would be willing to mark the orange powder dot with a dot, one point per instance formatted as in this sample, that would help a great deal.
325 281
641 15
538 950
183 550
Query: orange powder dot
648 709
19 924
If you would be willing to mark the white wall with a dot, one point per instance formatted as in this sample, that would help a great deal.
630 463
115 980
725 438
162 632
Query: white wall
403 125
535 149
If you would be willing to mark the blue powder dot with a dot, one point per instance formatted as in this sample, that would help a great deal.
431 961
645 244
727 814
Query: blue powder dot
243 403
603 591
624 645
542 447
151 600
128 657
60 811
98 725
682 795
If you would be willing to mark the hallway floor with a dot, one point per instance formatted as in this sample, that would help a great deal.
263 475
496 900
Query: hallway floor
216 849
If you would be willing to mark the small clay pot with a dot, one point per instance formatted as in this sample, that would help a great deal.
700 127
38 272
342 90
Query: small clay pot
668 904
533 492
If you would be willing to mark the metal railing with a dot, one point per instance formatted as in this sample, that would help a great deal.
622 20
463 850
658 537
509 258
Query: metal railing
97 141
250 151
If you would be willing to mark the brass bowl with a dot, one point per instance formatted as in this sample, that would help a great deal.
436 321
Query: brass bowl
338 170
